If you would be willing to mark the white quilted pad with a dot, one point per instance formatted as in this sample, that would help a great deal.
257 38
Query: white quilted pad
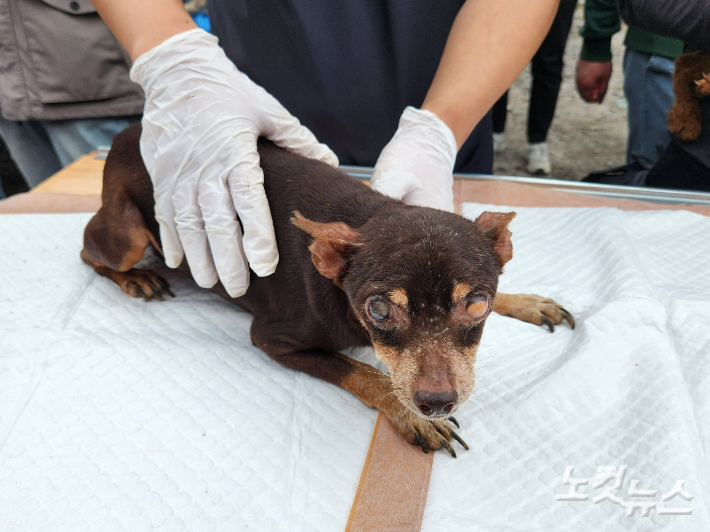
629 387
116 414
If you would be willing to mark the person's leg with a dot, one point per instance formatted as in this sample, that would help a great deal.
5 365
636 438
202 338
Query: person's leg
500 112
31 149
73 138
547 67
476 154
648 86
634 89
659 100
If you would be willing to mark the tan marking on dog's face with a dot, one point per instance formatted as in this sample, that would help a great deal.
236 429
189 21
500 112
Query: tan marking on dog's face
460 291
399 297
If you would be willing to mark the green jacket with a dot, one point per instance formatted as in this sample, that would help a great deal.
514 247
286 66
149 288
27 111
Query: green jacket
602 20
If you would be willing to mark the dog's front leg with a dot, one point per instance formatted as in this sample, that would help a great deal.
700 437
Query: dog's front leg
533 309
375 389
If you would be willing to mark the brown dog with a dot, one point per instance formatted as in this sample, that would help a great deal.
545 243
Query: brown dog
357 268
691 83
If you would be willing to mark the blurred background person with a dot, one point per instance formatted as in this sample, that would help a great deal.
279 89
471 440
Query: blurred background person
547 65
648 71
684 164
64 85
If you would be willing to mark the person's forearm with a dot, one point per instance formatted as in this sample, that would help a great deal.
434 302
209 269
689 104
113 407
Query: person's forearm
601 22
488 46
139 25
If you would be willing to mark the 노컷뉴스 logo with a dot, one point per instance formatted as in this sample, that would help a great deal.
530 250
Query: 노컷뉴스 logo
605 474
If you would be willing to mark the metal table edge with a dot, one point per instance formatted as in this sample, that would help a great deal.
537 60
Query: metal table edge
657 195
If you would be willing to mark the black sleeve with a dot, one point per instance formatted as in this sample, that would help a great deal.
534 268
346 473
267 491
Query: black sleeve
688 20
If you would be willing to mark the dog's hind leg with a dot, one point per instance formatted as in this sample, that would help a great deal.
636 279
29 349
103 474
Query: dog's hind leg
114 241
533 309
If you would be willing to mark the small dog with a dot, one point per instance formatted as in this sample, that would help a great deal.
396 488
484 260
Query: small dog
691 83
357 268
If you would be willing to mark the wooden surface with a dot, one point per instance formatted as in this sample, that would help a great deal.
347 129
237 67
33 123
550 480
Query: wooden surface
82 177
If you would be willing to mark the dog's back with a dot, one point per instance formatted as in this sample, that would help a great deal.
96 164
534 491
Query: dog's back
292 183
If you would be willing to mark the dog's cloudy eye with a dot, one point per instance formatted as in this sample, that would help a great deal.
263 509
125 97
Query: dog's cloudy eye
379 310
477 307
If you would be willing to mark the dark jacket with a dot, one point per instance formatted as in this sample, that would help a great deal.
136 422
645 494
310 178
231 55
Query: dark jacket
346 68
687 20
58 60
601 21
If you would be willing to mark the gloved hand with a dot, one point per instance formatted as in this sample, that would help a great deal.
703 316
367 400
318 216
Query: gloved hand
200 125
417 165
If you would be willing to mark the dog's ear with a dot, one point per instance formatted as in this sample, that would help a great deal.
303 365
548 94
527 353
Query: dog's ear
332 243
495 226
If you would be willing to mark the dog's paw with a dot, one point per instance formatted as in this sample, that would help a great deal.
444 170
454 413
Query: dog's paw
143 283
417 430
533 309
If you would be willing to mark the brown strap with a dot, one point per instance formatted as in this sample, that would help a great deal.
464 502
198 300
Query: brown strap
393 485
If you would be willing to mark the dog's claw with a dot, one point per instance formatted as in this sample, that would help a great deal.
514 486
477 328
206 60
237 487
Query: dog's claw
453 420
420 441
448 447
140 292
458 439
143 283
427 433
548 324
568 317
164 286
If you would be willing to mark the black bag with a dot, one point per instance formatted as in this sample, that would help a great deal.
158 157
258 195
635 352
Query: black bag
633 174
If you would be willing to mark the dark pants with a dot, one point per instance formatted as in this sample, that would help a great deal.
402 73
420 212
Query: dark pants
678 169
546 78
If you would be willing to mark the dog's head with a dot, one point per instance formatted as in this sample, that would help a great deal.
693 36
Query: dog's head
421 282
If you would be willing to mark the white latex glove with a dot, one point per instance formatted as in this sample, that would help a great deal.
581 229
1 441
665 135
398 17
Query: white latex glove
417 165
200 125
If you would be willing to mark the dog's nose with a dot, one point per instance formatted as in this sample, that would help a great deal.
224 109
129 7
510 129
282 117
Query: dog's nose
435 403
